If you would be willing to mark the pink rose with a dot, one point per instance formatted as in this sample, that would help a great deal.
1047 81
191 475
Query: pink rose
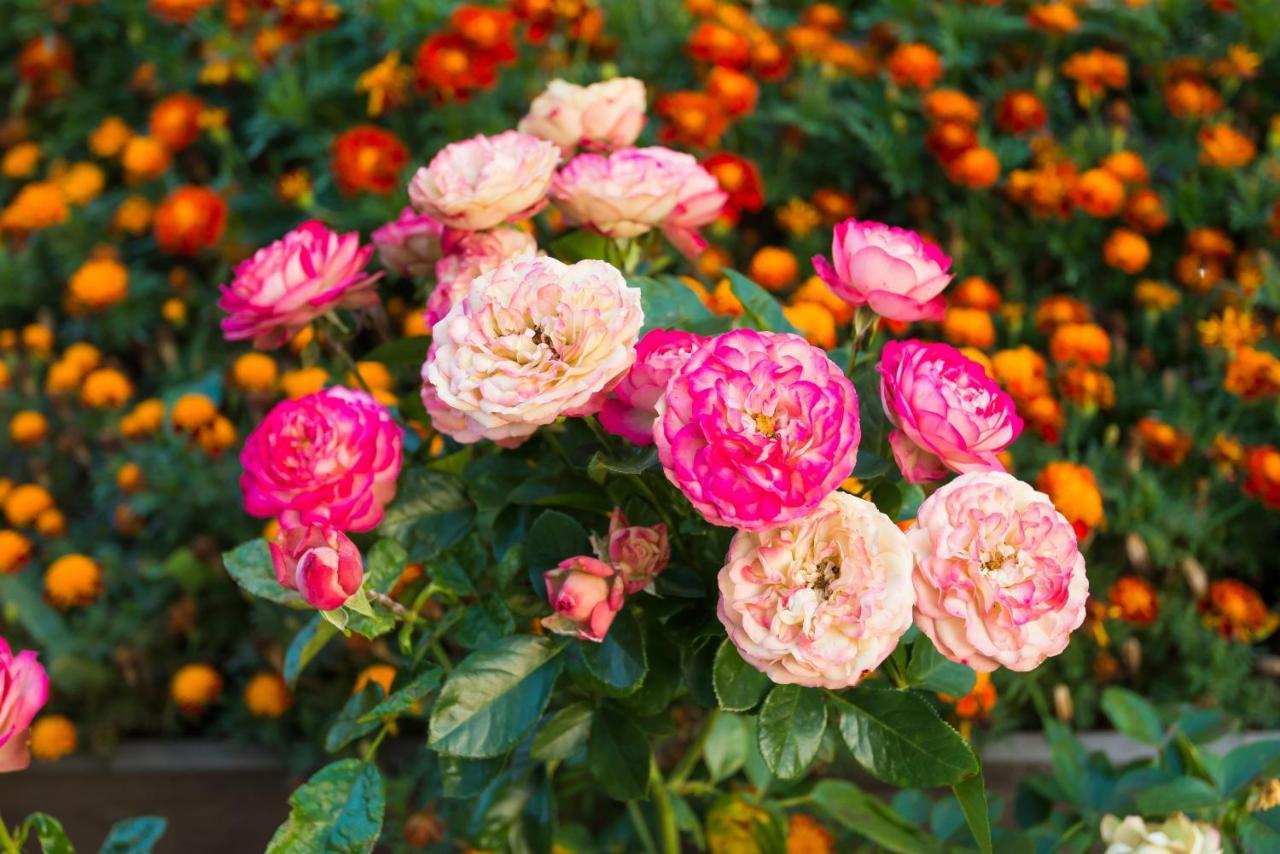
485 181
586 594
622 195
410 244
319 562
329 458
467 255
603 115
291 282
999 578
820 601
948 413
531 341
631 410
638 552
24 689
699 201
893 270
757 428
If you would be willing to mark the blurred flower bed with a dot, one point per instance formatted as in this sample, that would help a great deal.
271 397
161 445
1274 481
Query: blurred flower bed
1104 176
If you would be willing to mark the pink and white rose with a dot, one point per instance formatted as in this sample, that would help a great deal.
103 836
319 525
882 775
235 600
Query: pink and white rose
533 340
586 595
699 201
893 270
469 254
639 552
604 115
631 411
820 601
329 458
410 245
1000 581
624 194
289 283
24 689
757 428
948 414
320 562
486 181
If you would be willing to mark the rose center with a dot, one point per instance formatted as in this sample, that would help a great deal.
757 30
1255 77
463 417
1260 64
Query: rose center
764 423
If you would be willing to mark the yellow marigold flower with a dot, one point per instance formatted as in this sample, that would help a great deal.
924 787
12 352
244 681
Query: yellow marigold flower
174 311
1231 330
968 327
1253 374
254 372
25 502
806 836
144 158
386 84
106 388
109 137
217 436
1056 18
144 420
38 205
191 412
133 216
53 737
303 381
1155 296
83 355
375 375
813 289
415 324
294 187
194 687
774 268
1162 443
129 477
51 523
73 580
305 336
798 218
1022 372
21 160
266 696
380 674
37 339
724 301
1227 452
28 427
814 320
1074 491
63 377
732 824
98 284
1225 147
15 551
1086 343
82 182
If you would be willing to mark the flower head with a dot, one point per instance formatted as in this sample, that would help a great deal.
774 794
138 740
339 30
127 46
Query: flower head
468 255
604 115
320 562
820 601
893 270
485 181
586 594
24 689
410 244
631 411
623 194
1177 835
638 552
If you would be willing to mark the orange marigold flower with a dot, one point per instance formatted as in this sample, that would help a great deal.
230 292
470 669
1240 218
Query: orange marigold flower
978 703
1253 374
798 218
15 551
975 292
1155 296
192 413
976 168
834 205
189 220
1098 193
1128 166
489 31
40 204
377 674
97 284
368 158
105 388
804 834
1096 71
774 268
143 420
28 427
692 118
175 120
814 289
1044 414
1162 443
1225 147
1212 242
915 64
1262 480
1145 211
303 381
1083 343
81 182
1231 330
254 372
1087 388
1191 97
951 105
1020 111
1022 372
824 15
1056 18
53 737
1237 611
1074 491
195 687
734 91
24 503
1126 250
968 327
133 216
385 83
267 696
724 301
72 581
719 45
21 160
178 11
448 68
814 320
1133 600
144 158
769 61
1057 309
47 63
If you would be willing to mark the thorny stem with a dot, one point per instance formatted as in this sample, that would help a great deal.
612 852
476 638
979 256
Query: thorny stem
401 612
685 766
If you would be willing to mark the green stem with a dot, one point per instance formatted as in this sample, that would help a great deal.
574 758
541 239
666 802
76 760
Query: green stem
442 657
400 612
667 830
372 750
687 762
6 841
863 319
343 356
642 829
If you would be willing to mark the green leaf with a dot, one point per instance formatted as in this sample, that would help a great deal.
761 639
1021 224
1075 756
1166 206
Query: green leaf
250 565
761 309
580 245
554 536
727 746
353 720
1245 764
1069 760
633 463
1184 794
306 645
338 810
383 565
738 685
466 778
404 699
931 670
494 696
971 794
23 602
618 755
618 662
49 833
134 835
789 729
868 816
401 351
899 738
669 303
431 513
1132 715
564 733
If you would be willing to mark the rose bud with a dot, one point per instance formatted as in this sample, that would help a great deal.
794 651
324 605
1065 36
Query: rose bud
638 552
586 594
320 563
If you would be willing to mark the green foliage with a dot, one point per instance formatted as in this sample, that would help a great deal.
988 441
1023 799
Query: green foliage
339 809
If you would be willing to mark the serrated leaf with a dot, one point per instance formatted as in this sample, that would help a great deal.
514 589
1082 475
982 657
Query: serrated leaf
727 746
564 733
338 810
971 794
404 699
931 670
789 729
738 685
352 721
898 738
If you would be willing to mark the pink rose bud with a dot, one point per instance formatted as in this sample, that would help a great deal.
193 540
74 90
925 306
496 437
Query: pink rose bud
893 270
631 410
638 552
586 594
24 688
320 563
411 244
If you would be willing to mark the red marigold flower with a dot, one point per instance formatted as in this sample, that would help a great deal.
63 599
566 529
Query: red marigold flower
369 159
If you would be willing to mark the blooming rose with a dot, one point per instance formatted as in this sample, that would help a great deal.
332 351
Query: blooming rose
637 551
319 562
892 270
624 194
999 578
467 255
289 283
699 200
410 244
329 458
634 405
586 594
1176 835
603 115
948 413
822 600
531 341
486 180
757 428
24 688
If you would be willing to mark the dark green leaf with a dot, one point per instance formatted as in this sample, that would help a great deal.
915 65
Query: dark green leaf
338 810
564 733
760 308
669 303
250 565
738 685
466 778
37 616
727 746
494 696
554 536
618 755
430 513
972 797
1247 763
1184 794
1069 760
49 833
618 662
633 463
1132 715
900 739
868 816
383 565
306 644
401 351
134 835
930 670
353 720
789 729
404 699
